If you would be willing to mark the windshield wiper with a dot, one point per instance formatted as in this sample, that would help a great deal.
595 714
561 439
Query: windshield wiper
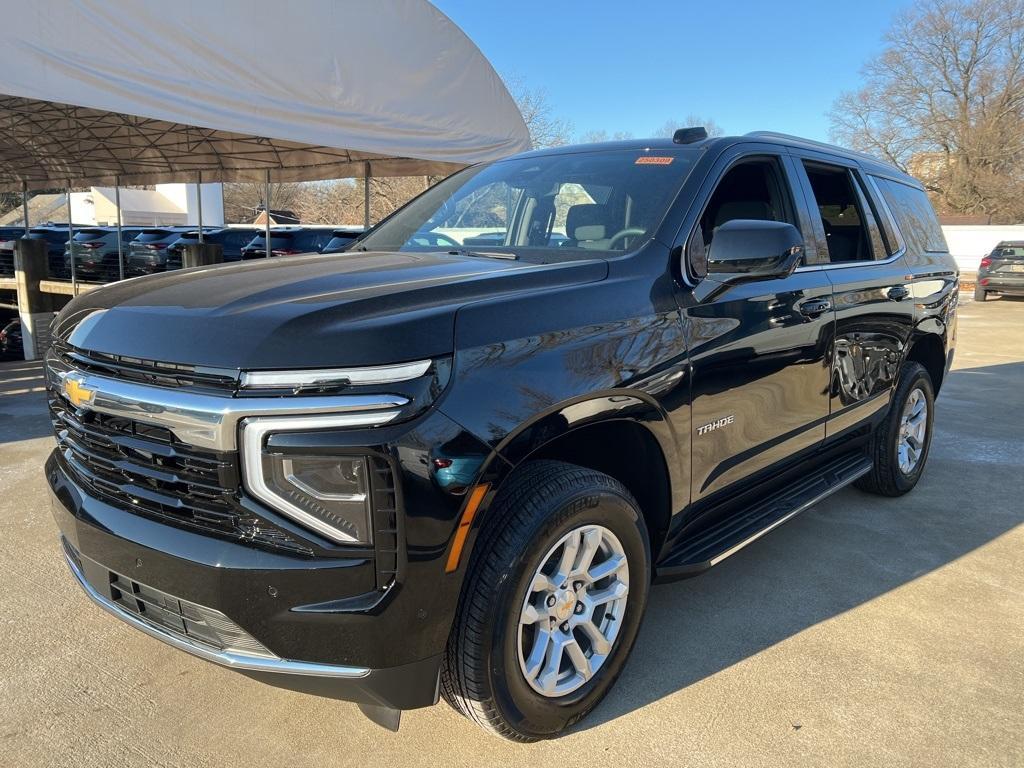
483 254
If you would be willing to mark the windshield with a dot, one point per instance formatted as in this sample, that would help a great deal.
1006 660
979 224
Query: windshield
574 205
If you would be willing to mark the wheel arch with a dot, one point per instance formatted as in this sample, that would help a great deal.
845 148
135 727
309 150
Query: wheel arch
623 436
929 350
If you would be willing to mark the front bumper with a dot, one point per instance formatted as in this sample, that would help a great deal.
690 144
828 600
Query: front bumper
275 601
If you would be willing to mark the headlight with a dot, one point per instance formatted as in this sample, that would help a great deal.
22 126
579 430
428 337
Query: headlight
328 494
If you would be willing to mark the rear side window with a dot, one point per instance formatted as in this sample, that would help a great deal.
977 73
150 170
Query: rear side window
914 215
851 229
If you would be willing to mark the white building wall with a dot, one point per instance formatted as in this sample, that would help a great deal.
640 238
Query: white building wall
186 197
968 243
83 210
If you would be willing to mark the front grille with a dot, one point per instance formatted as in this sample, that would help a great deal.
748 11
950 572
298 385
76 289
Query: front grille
171 615
154 373
145 469
189 621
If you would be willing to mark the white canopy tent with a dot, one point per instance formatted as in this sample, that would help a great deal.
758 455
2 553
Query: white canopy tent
96 92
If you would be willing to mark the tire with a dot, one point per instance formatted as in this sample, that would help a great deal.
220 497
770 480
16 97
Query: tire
979 293
887 477
484 674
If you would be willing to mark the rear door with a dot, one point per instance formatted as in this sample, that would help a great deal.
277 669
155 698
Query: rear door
872 295
759 350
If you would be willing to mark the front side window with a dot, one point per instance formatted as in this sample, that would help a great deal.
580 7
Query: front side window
548 207
752 189
851 230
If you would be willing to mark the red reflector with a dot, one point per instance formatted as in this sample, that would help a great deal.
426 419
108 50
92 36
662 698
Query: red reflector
984 281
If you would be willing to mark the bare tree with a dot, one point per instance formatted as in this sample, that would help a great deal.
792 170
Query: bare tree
337 201
389 193
595 137
242 200
669 127
944 100
546 129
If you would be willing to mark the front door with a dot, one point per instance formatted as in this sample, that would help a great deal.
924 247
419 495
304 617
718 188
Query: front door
760 351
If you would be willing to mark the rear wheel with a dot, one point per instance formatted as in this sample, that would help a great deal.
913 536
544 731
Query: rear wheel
979 293
553 599
899 446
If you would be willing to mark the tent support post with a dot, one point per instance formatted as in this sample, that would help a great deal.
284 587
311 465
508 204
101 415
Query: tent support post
266 215
24 204
71 246
120 234
199 204
366 196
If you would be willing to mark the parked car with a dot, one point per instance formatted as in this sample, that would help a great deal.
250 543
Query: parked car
56 237
1002 271
409 473
8 237
485 238
434 240
96 254
10 341
231 239
287 241
341 239
147 251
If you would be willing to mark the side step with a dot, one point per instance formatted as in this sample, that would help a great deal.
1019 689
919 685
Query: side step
731 535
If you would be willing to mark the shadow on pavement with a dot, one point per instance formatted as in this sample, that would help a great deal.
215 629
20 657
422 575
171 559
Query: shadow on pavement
845 552
23 413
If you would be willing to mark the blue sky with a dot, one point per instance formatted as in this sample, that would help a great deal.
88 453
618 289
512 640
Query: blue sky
632 66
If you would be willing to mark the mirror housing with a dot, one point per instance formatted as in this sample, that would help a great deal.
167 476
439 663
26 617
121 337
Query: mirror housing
753 249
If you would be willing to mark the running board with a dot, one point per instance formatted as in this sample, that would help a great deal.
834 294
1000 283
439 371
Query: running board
710 547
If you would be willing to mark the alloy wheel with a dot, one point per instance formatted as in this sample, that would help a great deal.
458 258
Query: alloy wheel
573 611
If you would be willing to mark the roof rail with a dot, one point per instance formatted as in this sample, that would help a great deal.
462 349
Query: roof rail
819 144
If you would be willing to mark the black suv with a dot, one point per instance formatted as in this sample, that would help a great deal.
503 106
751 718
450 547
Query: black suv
422 471
230 239
287 241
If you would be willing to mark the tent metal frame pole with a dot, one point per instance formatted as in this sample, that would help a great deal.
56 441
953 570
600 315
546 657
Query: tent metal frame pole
199 204
120 234
366 195
266 216
24 204
71 246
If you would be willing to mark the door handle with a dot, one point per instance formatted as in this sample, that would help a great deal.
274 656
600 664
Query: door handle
815 307
898 293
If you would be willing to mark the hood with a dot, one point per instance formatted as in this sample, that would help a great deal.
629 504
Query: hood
309 311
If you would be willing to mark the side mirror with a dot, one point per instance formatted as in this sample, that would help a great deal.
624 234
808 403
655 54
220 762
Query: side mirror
752 249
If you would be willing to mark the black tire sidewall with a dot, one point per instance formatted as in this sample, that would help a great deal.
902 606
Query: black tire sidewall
918 379
523 708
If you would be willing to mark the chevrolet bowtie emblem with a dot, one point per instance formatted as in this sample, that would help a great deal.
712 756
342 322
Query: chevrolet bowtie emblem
76 392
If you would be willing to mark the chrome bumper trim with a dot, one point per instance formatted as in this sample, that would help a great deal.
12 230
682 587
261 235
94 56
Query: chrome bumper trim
209 421
224 658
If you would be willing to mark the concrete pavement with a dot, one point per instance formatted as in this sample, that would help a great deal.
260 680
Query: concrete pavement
867 631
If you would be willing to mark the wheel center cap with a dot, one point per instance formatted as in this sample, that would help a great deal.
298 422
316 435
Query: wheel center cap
565 602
